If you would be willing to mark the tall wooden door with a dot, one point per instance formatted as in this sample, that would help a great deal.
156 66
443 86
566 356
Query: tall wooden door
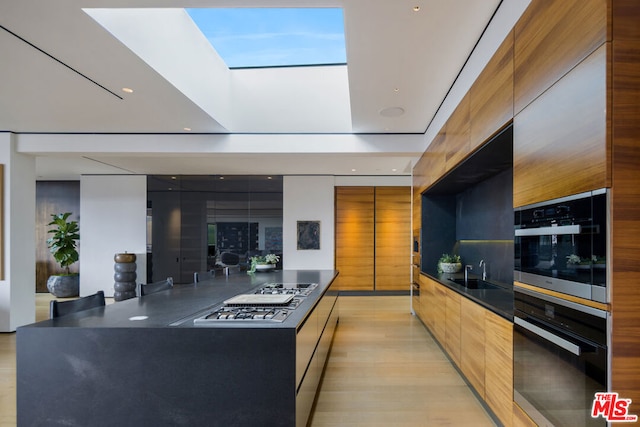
355 237
373 238
393 238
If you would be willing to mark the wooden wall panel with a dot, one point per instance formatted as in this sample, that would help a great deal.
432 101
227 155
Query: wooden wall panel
551 38
472 344
53 197
624 20
392 238
355 237
491 96
625 215
560 140
498 378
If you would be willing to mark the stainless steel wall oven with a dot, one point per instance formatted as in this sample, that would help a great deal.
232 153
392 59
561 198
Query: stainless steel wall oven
560 359
561 245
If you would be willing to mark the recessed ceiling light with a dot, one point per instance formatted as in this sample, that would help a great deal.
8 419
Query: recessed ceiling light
353 170
416 8
396 89
127 90
187 129
394 170
392 112
173 177
269 177
222 177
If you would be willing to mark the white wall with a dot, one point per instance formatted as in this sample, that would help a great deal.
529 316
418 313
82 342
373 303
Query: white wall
113 219
308 198
17 287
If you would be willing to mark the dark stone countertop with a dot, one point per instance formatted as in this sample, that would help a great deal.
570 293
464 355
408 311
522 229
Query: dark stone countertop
178 307
499 299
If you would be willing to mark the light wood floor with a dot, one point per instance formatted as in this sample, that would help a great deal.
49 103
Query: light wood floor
384 370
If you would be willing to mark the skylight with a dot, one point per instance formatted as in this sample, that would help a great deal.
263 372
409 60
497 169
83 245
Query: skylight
271 37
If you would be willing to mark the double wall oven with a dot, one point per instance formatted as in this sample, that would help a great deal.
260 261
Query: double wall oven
560 344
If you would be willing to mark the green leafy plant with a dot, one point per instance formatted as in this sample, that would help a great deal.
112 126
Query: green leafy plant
262 260
63 243
447 259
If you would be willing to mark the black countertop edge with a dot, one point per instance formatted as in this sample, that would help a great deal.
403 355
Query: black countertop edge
178 307
498 301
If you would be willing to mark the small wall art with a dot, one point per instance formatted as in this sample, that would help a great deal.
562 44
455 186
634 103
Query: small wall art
308 235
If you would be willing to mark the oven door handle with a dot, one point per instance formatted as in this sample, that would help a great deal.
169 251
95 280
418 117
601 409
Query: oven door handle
549 231
560 342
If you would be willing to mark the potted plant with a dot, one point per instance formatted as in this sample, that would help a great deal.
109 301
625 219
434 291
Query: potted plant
449 263
263 262
63 246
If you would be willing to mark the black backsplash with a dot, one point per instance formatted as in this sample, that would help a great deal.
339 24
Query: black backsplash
484 227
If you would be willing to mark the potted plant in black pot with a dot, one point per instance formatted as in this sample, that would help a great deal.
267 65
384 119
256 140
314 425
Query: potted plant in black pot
63 245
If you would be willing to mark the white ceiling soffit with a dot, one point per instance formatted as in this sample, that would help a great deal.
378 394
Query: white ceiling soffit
260 100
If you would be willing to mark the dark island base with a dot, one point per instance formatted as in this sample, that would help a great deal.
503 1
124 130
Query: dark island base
170 377
91 370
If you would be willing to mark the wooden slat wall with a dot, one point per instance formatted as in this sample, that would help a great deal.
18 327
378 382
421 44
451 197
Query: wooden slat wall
625 202
392 238
355 237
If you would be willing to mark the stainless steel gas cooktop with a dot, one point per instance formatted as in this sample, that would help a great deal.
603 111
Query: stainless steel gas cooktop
272 302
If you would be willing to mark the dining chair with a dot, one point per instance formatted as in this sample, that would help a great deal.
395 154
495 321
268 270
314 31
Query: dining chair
62 308
152 288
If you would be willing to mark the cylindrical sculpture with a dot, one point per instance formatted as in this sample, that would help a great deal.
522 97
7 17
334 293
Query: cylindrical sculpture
125 276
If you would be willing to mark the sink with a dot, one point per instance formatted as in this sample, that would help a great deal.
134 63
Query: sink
475 284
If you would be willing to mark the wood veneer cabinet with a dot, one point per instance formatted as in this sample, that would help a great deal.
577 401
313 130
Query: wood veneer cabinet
452 325
479 341
427 298
373 238
472 344
560 139
491 96
433 300
498 374
456 143
551 38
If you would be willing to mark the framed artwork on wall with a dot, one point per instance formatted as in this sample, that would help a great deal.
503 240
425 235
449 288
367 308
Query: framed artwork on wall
308 235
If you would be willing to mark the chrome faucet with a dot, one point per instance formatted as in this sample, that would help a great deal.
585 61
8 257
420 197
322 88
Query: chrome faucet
466 272
484 269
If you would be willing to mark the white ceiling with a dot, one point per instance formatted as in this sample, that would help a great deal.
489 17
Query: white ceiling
63 72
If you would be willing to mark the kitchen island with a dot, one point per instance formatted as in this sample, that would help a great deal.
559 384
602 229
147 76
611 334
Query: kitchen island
149 361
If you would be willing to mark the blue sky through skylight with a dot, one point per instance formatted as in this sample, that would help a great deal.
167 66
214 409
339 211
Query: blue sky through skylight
268 37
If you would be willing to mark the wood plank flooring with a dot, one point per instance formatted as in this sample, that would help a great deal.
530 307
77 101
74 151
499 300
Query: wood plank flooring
384 370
